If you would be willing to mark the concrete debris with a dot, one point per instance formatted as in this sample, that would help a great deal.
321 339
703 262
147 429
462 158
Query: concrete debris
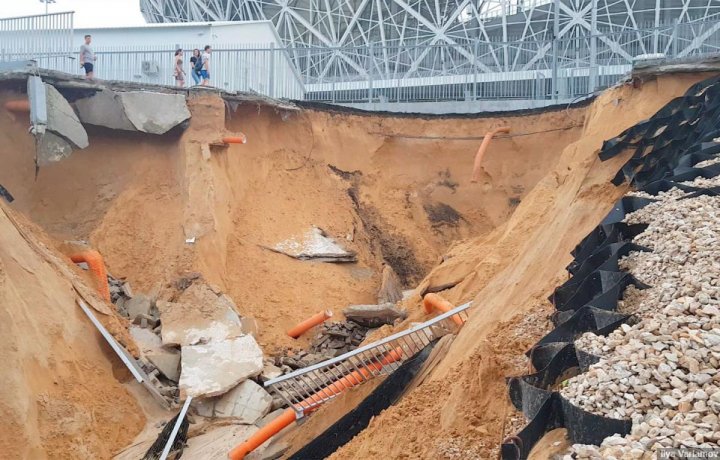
269 372
315 245
247 402
154 113
145 339
167 362
374 315
390 287
104 108
215 444
200 316
273 451
52 148
138 305
62 119
333 340
212 369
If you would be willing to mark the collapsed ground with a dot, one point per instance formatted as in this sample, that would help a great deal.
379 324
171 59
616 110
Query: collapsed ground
159 213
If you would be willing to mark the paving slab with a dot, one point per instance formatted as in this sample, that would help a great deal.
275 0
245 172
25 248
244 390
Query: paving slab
104 108
154 113
315 245
214 368
167 362
62 119
247 402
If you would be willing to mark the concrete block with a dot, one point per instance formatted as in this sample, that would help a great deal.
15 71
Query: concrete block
38 103
52 148
214 368
62 119
138 305
373 315
104 108
269 372
154 113
247 403
390 287
167 362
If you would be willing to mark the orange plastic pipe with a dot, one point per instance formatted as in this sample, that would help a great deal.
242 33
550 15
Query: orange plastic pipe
309 323
289 416
20 105
241 139
97 268
483 147
434 301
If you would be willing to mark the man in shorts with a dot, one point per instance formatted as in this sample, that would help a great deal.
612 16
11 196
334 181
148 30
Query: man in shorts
87 58
205 72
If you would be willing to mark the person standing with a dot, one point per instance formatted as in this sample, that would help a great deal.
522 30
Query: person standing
205 72
87 58
178 71
196 66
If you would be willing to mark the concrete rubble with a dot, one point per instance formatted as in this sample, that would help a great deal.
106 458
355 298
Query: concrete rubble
374 315
246 403
144 111
215 444
214 368
63 121
315 245
662 371
390 287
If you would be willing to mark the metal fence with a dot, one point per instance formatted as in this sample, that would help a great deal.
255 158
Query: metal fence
44 38
540 70
311 386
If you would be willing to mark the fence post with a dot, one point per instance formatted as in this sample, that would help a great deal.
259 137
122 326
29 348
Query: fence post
592 78
475 69
370 78
271 76
674 37
556 31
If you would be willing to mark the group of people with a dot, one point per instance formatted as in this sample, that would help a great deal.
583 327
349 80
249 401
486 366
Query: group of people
199 67
199 64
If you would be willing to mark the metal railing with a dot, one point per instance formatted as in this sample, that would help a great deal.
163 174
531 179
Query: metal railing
43 38
480 70
311 386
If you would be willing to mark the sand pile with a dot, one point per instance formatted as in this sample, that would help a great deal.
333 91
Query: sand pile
463 412
59 391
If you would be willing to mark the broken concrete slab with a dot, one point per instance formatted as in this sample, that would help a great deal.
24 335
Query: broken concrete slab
374 315
269 372
51 149
215 444
104 108
390 286
138 305
63 121
214 368
145 339
167 362
247 402
315 245
154 113
201 314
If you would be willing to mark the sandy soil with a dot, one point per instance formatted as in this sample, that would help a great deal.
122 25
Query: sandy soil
403 200
59 391
507 273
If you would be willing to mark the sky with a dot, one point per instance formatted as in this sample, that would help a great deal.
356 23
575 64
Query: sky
88 13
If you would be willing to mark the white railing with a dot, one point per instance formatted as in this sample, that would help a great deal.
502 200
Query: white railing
311 386
43 38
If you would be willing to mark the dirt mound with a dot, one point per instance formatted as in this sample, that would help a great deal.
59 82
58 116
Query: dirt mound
463 412
59 397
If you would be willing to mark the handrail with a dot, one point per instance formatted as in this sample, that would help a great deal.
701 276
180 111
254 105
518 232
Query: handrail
301 387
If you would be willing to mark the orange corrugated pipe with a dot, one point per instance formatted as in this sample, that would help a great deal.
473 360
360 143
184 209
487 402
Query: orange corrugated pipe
483 147
434 301
309 323
289 416
97 268
239 139
19 105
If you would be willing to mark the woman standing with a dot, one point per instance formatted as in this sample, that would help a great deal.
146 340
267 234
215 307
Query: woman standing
179 72
194 65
